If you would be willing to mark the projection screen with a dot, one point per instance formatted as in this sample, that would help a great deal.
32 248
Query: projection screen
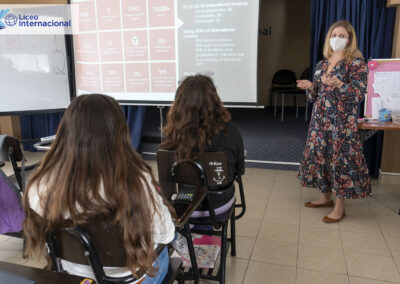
137 51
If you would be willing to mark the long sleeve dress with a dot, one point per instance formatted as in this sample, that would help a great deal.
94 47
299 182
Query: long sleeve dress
333 160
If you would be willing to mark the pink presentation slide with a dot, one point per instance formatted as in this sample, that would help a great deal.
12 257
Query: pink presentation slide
88 77
130 45
86 47
137 77
161 13
87 17
134 14
111 46
136 45
162 44
108 13
163 77
112 77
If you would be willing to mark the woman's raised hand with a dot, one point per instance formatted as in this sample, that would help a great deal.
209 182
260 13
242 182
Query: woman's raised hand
304 84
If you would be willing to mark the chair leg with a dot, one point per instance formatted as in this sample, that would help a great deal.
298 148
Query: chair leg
283 105
275 97
297 107
193 261
233 235
223 254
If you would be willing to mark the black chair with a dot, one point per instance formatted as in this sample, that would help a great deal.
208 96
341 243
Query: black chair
10 150
305 75
283 80
207 173
97 243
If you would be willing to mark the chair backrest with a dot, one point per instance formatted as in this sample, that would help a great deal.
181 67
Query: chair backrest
7 144
305 75
97 243
213 163
208 173
284 77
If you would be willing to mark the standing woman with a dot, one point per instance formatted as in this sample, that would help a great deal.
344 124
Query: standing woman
333 161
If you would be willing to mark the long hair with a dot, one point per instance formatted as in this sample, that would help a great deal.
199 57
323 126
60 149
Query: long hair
351 51
91 151
196 116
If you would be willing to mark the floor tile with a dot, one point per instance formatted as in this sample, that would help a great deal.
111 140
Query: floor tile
372 266
361 242
260 272
321 259
275 252
277 231
319 236
305 276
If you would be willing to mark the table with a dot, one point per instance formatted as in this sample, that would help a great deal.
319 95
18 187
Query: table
369 128
41 276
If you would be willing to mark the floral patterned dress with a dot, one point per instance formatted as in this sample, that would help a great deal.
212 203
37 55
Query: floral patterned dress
333 161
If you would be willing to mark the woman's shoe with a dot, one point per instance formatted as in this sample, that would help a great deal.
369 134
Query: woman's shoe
326 219
312 205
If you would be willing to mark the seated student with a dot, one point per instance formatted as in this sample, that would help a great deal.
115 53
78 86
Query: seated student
197 122
90 170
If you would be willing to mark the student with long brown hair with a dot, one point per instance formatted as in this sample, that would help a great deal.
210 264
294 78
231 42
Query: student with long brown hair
90 170
197 122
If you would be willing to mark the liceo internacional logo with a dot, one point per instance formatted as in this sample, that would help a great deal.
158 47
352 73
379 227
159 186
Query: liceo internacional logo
3 13
39 19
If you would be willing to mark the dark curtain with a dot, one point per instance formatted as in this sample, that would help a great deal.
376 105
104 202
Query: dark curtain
35 126
374 26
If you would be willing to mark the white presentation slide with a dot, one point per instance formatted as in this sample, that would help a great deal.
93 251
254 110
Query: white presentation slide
139 50
33 73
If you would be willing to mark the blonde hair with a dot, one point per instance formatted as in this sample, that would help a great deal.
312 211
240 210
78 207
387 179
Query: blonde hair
351 51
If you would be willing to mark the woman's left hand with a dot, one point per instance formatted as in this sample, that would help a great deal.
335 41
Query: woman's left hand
331 81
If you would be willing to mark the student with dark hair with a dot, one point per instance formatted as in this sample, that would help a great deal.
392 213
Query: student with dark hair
197 122
90 170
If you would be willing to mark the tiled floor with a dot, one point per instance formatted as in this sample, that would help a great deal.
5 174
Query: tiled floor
281 241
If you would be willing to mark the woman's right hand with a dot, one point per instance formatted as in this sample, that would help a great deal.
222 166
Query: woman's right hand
304 84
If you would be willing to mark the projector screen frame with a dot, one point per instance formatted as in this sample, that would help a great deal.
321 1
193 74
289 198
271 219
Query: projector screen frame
169 103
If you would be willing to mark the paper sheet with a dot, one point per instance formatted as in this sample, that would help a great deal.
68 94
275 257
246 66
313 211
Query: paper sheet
387 85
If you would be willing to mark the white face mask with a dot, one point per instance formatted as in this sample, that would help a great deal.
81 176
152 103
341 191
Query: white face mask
338 43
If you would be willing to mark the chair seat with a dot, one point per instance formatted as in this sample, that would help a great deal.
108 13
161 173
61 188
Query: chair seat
221 218
295 91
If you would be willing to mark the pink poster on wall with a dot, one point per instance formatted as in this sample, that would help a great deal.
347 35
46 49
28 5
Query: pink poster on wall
136 45
110 46
86 48
377 66
87 17
162 13
163 77
112 77
137 77
108 13
134 14
162 44
88 77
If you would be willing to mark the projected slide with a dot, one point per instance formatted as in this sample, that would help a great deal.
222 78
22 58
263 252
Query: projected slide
139 50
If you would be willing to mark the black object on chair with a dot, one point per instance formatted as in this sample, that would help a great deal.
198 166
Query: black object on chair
305 75
208 173
10 150
97 243
283 80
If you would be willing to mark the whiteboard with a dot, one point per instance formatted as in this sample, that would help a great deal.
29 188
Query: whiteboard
34 73
383 86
